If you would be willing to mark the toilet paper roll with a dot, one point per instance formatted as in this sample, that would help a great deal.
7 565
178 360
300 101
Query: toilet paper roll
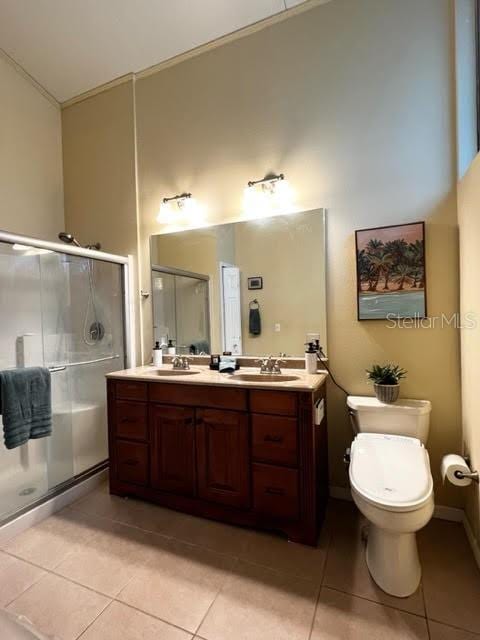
451 463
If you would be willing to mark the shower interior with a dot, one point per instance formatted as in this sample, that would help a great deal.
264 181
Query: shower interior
65 312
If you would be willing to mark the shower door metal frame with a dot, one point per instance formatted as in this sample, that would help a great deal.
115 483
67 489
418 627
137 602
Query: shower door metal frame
126 263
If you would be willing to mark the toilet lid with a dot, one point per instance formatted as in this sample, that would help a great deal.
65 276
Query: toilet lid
391 471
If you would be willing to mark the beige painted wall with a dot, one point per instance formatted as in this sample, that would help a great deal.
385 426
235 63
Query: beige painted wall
31 189
469 220
354 102
99 173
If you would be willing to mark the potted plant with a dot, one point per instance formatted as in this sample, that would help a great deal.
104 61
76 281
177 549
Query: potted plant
386 381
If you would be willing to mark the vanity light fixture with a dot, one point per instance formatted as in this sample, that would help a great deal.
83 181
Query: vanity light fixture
269 195
175 209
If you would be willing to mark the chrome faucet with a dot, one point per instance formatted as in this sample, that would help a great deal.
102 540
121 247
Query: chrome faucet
270 365
181 363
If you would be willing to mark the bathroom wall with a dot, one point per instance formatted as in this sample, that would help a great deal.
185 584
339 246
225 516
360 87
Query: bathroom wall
99 170
469 222
31 189
355 102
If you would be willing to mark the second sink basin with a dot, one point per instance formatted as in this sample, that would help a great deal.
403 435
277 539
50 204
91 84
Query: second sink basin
264 377
175 372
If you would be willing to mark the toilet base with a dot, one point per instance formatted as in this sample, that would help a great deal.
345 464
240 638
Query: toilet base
393 562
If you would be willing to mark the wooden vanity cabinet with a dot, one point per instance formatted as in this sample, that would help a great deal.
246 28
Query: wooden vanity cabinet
251 457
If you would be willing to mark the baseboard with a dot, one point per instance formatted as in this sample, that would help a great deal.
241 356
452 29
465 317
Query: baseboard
471 539
46 509
453 514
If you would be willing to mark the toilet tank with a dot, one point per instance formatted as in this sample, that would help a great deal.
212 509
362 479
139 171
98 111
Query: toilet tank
402 418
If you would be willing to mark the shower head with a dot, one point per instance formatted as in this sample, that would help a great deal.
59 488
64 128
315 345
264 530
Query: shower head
68 238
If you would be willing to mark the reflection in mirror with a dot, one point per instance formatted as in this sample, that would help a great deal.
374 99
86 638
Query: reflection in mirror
250 288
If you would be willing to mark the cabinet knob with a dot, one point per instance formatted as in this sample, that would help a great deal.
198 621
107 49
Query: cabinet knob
270 438
128 420
275 491
131 462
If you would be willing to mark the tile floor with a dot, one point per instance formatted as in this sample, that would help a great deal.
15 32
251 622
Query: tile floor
107 568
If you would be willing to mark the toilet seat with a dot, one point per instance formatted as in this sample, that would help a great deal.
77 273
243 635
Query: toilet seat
390 472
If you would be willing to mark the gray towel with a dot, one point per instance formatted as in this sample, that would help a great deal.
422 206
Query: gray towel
25 405
254 322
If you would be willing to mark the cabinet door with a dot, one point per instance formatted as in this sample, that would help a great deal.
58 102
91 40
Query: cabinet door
131 462
223 457
173 449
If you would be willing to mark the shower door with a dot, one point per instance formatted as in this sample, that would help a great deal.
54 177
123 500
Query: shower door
64 312
82 311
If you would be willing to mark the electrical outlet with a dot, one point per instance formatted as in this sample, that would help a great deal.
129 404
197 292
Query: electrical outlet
276 327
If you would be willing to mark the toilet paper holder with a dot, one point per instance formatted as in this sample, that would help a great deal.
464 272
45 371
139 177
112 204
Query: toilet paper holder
472 475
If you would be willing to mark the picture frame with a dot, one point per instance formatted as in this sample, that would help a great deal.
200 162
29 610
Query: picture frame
255 282
391 272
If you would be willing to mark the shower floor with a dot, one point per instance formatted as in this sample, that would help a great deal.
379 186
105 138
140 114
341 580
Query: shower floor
21 489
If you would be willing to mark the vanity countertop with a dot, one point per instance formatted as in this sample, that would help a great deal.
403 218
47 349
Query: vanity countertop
205 376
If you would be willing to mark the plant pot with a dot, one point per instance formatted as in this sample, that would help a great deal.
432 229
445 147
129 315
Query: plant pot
387 393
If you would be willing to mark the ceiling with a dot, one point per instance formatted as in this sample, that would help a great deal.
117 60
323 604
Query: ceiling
72 46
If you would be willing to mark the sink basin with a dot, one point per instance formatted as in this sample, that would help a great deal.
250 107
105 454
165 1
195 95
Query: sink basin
264 377
175 372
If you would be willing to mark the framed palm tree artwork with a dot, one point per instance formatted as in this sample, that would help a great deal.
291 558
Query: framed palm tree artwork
391 272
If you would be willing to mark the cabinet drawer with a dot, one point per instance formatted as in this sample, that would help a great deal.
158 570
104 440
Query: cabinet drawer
275 491
131 390
131 462
274 439
131 420
282 403
198 396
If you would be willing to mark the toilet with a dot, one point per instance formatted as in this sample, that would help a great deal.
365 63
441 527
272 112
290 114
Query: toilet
392 486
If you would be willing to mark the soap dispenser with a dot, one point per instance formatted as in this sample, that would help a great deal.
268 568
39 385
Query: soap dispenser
310 358
157 355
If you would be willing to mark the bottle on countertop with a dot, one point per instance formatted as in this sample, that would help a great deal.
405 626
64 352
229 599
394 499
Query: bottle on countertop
311 358
171 348
157 356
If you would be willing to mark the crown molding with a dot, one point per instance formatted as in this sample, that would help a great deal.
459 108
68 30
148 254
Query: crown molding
192 53
22 72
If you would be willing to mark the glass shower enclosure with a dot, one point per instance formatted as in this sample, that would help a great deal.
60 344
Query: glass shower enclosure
64 309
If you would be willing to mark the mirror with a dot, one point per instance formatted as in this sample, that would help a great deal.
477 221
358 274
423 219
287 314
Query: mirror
252 288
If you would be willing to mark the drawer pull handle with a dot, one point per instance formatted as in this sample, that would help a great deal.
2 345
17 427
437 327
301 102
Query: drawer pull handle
131 462
128 420
270 438
275 491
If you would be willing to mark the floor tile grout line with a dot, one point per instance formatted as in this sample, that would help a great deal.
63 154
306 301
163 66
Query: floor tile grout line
330 536
59 575
152 615
95 618
452 626
381 604
24 591
425 609
317 600
227 578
